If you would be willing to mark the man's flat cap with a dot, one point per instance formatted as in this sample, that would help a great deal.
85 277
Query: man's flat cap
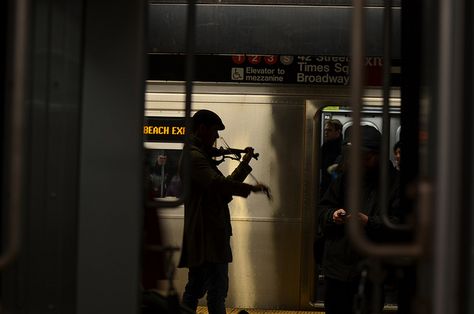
208 118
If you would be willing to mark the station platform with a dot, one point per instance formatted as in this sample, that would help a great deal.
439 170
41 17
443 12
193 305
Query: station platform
203 310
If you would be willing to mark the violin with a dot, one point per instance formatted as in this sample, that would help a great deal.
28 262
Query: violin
232 153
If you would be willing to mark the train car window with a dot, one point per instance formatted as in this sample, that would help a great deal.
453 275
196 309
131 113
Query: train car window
162 170
164 137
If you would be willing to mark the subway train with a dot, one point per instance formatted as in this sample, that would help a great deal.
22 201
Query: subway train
97 104
274 237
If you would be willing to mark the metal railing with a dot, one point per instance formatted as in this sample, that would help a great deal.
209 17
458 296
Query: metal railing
190 65
355 231
15 141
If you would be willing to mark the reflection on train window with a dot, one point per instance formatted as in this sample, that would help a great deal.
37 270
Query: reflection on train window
162 172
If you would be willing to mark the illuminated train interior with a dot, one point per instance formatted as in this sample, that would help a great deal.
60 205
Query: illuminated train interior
98 99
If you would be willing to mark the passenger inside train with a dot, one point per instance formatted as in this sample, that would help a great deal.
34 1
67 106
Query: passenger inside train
330 150
397 155
344 269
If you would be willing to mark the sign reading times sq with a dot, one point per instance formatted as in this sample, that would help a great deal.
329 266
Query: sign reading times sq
323 70
320 70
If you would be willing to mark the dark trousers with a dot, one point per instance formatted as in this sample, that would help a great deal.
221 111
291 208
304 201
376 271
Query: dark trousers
341 297
211 278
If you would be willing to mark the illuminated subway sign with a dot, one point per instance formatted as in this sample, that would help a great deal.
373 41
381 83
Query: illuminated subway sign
271 69
164 129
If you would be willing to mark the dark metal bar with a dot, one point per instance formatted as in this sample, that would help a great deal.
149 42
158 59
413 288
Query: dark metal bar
16 141
357 86
190 60
450 210
424 189
385 151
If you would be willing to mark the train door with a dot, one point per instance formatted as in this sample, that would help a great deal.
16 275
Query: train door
322 110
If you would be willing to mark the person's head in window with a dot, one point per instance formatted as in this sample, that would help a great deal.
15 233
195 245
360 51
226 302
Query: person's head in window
332 129
396 154
370 146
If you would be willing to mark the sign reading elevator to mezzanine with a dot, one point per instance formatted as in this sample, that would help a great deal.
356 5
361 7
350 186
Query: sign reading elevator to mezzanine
270 69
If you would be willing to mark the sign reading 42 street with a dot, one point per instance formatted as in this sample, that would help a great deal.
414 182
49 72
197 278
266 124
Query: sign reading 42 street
281 69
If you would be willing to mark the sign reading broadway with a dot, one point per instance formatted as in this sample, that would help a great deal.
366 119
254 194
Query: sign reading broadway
284 69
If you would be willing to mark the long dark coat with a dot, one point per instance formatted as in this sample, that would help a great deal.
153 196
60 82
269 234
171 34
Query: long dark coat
207 227
341 261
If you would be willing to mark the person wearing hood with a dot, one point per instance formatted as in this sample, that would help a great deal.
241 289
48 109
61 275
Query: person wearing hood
341 262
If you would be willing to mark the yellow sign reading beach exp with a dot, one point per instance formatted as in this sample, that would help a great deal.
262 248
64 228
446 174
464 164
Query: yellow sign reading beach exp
164 129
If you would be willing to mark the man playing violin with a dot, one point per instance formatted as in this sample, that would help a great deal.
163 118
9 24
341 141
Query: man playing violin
206 249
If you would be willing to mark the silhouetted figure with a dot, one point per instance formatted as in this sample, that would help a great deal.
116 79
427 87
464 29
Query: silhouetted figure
341 263
206 249
330 150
